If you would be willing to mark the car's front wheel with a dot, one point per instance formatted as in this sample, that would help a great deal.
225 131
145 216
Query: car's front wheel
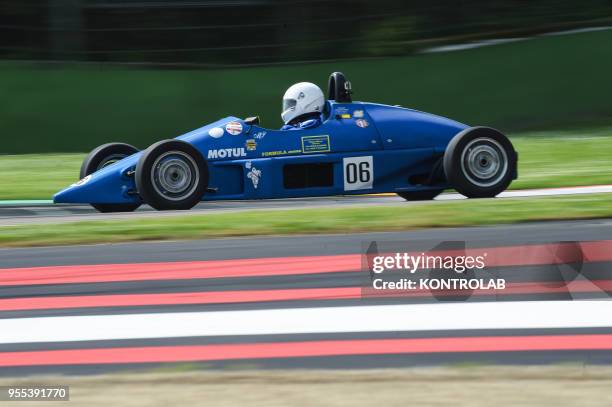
171 174
480 162
103 156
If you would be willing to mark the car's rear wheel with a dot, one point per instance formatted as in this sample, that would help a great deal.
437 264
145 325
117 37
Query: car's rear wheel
171 174
425 195
480 162
103 156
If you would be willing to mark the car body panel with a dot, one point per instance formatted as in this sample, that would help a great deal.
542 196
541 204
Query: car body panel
359 148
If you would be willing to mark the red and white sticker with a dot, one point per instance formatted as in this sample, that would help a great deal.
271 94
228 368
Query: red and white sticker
234 128
362 123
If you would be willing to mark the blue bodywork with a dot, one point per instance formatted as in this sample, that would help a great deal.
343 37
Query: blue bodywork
359 148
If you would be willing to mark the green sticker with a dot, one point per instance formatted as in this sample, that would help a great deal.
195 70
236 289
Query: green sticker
315 144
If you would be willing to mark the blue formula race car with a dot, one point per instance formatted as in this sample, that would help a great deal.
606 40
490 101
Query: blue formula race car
358 148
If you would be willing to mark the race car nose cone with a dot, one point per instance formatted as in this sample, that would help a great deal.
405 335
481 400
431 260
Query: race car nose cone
79 192
67 195
105 186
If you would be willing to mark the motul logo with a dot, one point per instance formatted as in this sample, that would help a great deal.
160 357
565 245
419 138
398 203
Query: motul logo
226 153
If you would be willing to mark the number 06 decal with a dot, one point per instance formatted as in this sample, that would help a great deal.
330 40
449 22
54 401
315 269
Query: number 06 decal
358 173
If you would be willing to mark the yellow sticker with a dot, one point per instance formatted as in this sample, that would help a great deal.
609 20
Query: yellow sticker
345 116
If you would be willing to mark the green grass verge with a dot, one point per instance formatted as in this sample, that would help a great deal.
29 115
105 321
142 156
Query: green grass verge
316 220
542 83
547 159
37 176
565 158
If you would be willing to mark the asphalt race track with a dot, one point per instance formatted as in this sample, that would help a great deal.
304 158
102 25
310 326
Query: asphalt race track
19 214
298 302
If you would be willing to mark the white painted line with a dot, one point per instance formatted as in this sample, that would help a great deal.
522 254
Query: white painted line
498 41
577 31
471 45
595 189
387 318
520 193
60 214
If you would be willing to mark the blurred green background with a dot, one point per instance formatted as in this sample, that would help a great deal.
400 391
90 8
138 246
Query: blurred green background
75 74
78 73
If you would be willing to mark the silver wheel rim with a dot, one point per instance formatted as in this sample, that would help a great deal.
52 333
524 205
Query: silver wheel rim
110 160
175 175
484 162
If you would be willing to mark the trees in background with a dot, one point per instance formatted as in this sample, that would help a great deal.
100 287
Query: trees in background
243 32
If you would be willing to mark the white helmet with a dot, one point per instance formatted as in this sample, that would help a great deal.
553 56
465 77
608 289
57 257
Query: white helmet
302 98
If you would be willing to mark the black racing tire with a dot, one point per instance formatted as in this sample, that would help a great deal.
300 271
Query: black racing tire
105 155
425 195
101 157
171 175
480 162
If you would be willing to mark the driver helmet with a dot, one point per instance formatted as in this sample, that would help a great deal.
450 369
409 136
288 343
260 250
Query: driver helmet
301 99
